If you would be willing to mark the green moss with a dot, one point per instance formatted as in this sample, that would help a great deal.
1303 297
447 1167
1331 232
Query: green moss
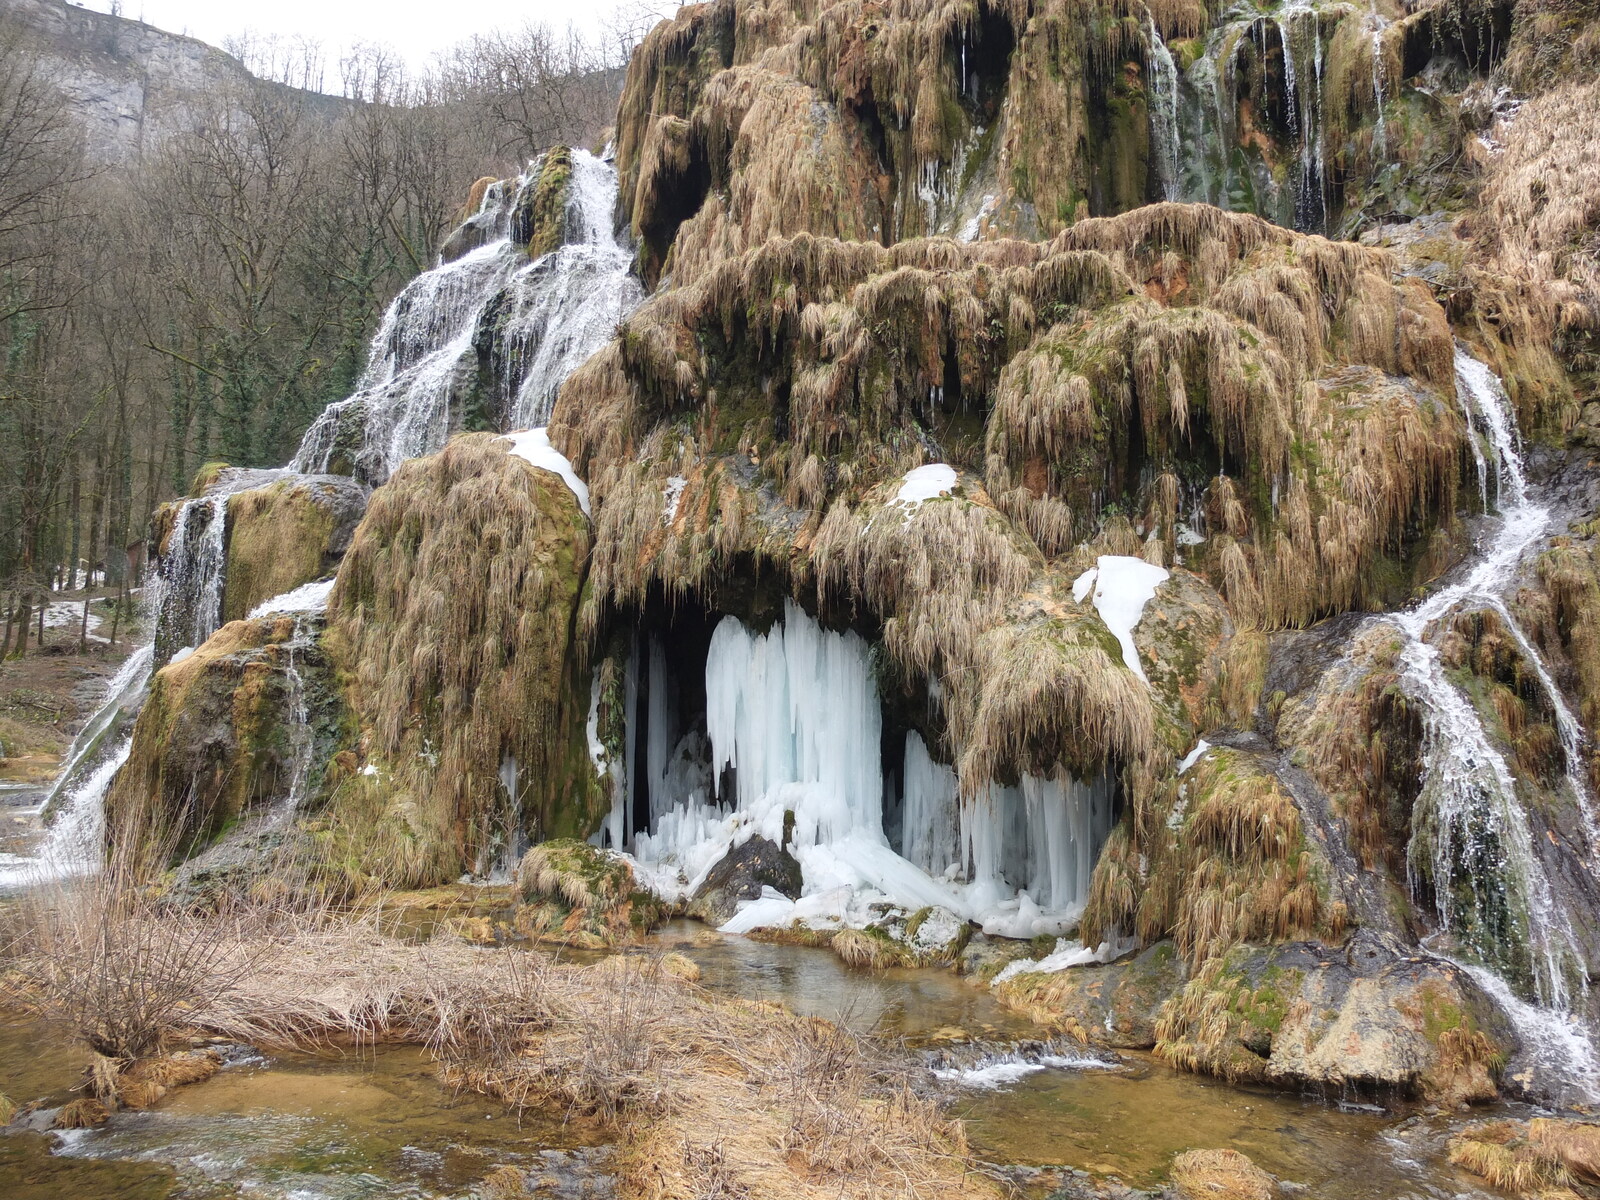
540 221
206 477
278 538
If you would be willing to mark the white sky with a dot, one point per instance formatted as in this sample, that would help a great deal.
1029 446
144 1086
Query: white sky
413 28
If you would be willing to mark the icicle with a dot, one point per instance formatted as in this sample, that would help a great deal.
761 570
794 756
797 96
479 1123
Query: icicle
932 825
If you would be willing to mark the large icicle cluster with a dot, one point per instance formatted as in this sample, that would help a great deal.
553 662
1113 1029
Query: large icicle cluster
794 722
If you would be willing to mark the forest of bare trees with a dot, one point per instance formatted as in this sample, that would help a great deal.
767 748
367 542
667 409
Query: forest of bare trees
207 299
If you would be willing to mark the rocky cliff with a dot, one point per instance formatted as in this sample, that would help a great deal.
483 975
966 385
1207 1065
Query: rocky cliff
1019 546
130 84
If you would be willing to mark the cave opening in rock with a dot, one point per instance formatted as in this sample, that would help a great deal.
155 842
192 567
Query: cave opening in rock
779 727
982 55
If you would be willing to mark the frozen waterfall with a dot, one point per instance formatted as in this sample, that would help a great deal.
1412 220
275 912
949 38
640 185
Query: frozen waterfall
792 750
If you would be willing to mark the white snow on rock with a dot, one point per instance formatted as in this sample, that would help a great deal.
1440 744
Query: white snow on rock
924 483
1122 586
672 494
307 598
533 445
1066 954
1193 756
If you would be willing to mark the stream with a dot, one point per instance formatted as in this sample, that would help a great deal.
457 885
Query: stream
378 1122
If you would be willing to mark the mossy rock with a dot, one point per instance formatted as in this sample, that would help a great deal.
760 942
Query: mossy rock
540 220
577 894
741 875
1220 1175
453 626
216 739
1115 1005
1366 1019
288 533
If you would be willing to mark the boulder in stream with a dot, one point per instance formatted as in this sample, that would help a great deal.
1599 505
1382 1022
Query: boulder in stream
742 873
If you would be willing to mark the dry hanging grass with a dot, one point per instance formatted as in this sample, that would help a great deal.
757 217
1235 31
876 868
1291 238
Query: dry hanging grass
1213 861
721 145
454 611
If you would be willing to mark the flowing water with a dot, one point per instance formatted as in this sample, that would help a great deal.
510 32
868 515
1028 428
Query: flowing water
367 1124
346 1126
493 328
1165 137
537 319
1201 148
1473 843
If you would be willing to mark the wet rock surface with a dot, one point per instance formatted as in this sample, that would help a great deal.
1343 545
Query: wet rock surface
741 875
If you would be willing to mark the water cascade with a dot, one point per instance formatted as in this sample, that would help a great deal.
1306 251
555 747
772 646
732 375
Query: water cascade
494 329
1200 148
1380 136
123 696
1300 31
1472 839
76 840
181 605
1164 136
187 598
792 751
541 318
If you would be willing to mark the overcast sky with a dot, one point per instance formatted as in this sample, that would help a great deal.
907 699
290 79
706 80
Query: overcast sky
413 28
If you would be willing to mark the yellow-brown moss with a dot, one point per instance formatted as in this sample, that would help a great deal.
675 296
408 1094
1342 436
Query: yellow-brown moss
278 538
454 614
211 744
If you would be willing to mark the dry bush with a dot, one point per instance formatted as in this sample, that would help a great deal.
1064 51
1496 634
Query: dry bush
799 1107
1220 1175
115 968
1500 1153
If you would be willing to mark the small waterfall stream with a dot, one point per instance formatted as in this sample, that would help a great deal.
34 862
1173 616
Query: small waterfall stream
1198 142
1476 846
1165 138
494 327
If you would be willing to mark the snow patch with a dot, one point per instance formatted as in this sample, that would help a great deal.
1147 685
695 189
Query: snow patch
1193 756
307 598
533 445
1066 954
672 493
1122 586
924 483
